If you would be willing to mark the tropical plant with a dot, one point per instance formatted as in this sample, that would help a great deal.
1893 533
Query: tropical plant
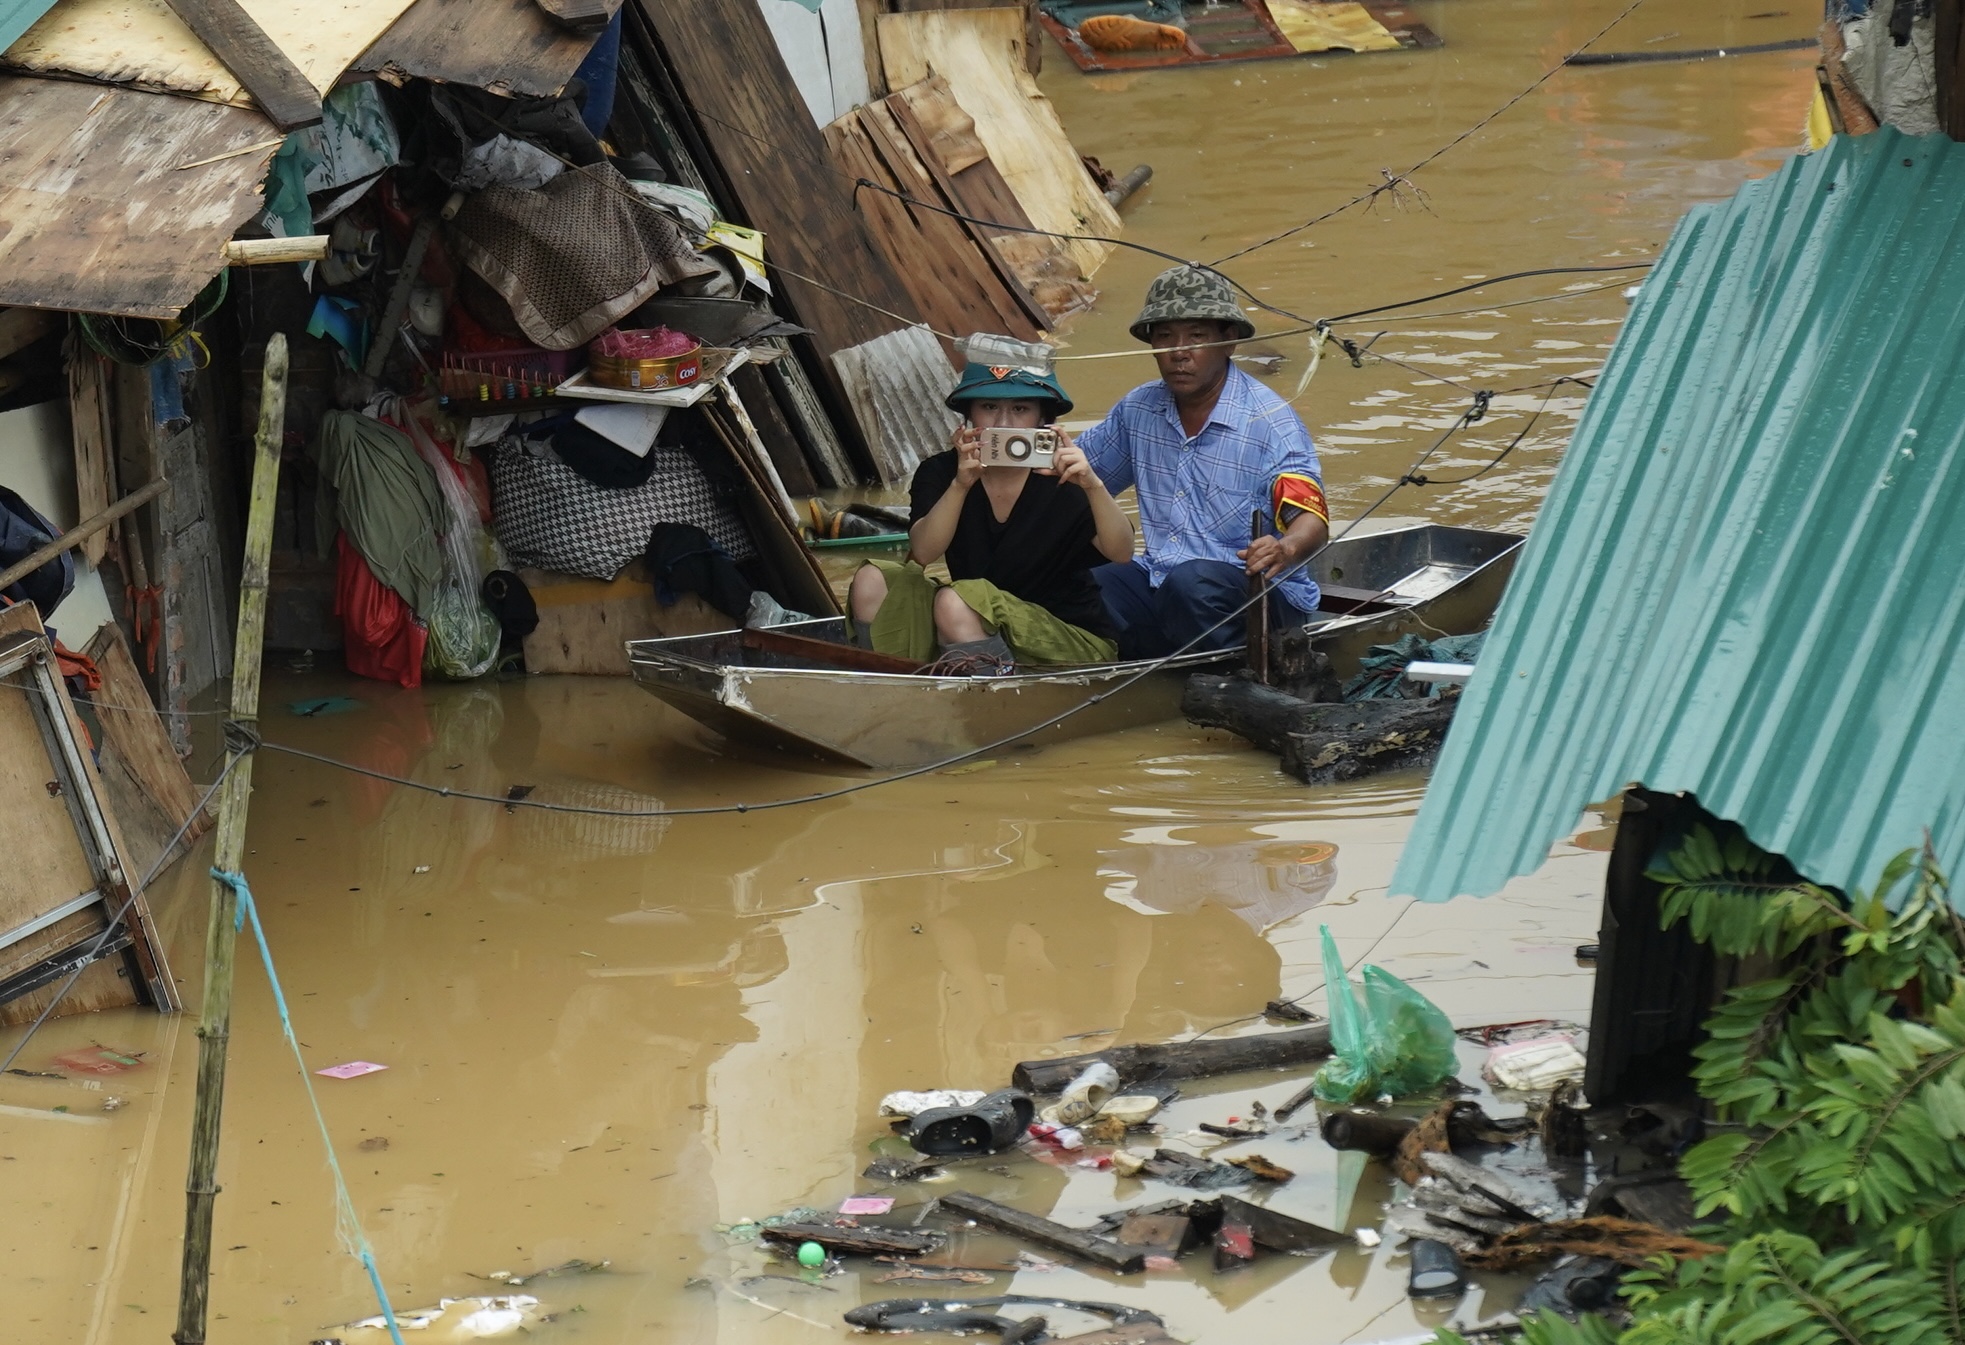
1836 1173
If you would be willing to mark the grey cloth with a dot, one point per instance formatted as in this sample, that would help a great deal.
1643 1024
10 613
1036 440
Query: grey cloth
386 499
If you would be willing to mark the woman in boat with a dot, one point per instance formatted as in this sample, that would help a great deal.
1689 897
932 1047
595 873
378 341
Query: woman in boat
1020 546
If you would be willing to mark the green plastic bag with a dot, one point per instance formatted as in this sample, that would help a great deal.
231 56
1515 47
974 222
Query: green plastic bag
1391 1042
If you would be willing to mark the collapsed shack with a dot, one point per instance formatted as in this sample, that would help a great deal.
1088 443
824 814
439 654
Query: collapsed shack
580 299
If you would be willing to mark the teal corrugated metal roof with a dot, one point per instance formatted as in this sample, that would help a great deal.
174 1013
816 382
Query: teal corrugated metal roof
1748 581
17 16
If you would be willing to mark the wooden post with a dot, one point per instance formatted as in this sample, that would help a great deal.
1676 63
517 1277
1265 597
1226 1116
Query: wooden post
215 1026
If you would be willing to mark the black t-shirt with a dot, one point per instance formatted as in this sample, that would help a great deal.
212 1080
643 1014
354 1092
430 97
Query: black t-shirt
1043 553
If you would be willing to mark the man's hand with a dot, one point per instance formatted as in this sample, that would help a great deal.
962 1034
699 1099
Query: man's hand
1070 464
967 443
1270 556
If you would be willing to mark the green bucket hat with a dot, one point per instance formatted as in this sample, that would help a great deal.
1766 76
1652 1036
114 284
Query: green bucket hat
1191 294
981 381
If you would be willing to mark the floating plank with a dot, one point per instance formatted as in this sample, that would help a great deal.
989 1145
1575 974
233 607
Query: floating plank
1147 1061
1101 1252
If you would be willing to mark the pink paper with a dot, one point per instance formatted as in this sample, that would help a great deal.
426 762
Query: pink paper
866 1204
354 1069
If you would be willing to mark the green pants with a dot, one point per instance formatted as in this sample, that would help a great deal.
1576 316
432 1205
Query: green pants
905 624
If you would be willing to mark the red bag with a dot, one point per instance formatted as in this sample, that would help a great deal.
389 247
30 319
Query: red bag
381 636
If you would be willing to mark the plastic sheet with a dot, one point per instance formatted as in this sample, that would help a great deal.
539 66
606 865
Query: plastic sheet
1392 1042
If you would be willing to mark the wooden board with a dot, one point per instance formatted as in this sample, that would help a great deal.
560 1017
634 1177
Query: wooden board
943 137
506 46
776 174
88 417
980 52
143 44
955 285
100 216
275 83
584 624
149 791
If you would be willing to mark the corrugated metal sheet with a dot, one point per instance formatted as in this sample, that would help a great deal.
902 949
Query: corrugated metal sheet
1748 582
895 384
98 212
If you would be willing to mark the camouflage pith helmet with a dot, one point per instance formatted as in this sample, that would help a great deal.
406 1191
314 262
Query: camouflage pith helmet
1191 294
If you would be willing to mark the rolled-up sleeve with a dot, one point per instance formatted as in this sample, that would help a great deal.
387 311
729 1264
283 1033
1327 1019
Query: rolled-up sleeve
1108 448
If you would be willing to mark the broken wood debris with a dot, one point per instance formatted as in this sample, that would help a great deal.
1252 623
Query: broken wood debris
1086 1246
1624 1241
857 1241
1147 1061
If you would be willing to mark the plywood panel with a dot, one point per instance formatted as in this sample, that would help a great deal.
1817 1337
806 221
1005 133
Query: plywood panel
980 52
142 43
584 624
101 215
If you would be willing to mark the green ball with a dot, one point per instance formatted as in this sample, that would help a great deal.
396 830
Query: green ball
811 1255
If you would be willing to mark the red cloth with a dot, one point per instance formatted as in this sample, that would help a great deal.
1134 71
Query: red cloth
381 636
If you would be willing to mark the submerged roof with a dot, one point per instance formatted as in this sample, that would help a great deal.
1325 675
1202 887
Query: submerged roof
1748 582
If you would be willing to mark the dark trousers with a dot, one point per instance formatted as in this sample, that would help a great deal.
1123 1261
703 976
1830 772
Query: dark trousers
1196 594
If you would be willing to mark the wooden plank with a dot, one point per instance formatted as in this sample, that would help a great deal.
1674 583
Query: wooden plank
100 217
774 162
952 282
581 16
143 43
980 52
780 440
902 109
803 582
137 746
510 47
826 654
584 624
22 327
88 415
276 84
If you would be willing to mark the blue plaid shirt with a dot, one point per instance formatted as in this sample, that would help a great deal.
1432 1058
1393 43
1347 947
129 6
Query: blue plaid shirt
1196 495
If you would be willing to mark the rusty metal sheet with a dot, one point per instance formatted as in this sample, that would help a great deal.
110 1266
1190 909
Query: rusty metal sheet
506 46
98 212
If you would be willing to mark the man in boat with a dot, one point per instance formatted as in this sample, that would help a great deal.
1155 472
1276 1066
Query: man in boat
1020 545
1208 449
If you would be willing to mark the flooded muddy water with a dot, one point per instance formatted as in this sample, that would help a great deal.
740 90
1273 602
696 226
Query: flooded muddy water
606 1037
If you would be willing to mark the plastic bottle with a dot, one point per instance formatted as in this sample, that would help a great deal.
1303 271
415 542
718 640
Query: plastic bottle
994 351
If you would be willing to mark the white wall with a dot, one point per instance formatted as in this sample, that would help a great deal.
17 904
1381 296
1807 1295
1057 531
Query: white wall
823 50
37 460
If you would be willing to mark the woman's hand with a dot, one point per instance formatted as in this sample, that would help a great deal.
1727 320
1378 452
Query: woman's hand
1070 464
967 443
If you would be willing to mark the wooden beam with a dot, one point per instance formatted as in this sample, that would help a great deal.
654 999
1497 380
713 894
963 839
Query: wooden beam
22 327
287 97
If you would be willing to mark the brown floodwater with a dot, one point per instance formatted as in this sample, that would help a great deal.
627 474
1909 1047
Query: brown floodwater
606 1037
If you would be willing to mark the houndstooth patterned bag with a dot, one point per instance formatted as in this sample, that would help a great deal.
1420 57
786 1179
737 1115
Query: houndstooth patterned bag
550 517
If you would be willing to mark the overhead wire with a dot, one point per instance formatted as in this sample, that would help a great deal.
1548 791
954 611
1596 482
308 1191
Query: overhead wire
1393 182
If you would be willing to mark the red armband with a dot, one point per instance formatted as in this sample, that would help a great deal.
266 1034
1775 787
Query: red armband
1299 493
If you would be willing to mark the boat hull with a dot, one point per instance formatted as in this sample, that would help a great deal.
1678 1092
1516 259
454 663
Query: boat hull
1426 580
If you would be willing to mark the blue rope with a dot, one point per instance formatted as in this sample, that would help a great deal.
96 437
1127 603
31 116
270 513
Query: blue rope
351 1226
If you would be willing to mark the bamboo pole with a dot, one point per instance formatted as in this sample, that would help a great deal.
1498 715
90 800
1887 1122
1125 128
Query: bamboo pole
215 1026
82 532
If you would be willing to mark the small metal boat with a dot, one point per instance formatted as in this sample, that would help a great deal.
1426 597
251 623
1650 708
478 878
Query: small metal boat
802 688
